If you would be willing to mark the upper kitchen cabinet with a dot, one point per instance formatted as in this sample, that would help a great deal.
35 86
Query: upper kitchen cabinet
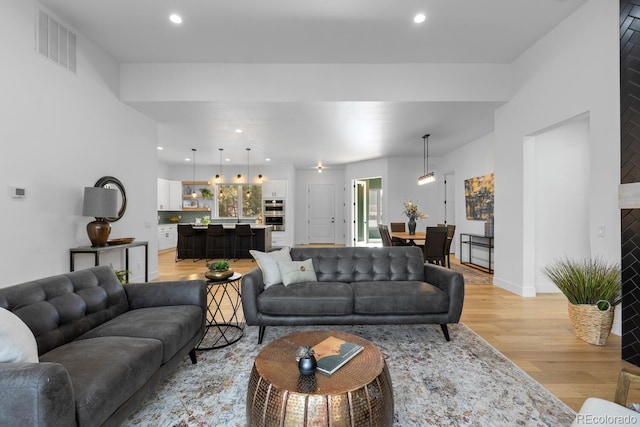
274 189
169 195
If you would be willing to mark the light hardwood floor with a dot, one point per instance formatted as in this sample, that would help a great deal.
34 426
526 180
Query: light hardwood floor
532 332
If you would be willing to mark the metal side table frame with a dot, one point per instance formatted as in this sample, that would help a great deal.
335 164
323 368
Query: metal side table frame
229 329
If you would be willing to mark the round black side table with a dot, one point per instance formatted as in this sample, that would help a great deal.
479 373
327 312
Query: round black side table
225 320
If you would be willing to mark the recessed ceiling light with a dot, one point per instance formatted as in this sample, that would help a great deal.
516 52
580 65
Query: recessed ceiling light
227 160
176 19
187 159
419 18
160 148
238 130
267 159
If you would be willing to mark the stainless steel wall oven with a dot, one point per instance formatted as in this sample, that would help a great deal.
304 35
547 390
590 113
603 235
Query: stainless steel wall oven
274 213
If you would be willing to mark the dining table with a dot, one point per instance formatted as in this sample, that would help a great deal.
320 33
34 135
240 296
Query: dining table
410 238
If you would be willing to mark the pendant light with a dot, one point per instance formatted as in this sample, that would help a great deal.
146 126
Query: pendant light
219 174
193 192
248 194
426 178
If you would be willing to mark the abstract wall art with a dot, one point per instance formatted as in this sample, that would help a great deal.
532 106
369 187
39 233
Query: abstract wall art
478 195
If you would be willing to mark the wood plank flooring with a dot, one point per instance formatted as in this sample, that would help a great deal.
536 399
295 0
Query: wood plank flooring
534 333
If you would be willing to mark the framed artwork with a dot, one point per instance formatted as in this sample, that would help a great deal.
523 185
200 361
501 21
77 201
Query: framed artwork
478 195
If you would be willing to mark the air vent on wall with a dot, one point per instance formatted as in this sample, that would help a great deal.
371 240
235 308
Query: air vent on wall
56 42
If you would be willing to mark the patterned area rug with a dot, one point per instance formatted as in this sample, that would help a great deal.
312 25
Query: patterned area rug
464 382
472 276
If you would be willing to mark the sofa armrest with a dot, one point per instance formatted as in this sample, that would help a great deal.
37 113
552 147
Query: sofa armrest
252 286
449 281
36 394
158 294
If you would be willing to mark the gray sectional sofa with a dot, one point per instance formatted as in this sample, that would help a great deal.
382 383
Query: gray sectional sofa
102 346
357 285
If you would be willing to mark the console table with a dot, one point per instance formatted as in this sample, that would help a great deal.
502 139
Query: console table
96 251
476 241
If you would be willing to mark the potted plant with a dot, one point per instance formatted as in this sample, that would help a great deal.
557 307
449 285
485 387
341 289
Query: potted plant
593 288
219 270
206 193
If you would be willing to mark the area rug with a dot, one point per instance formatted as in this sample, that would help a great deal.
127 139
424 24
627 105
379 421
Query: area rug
464 382
472 276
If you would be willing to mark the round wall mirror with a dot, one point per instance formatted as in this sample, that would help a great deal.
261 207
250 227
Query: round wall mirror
114 183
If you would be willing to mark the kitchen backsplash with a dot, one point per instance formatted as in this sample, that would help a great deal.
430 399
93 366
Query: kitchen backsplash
186 216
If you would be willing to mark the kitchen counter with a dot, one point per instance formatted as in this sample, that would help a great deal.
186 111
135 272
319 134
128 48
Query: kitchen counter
261 241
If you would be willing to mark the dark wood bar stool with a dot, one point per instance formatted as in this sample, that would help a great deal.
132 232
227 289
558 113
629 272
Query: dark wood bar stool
186 242
242 231
215 234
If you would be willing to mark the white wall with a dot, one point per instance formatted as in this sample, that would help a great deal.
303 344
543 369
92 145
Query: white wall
571 71
557 189
61 132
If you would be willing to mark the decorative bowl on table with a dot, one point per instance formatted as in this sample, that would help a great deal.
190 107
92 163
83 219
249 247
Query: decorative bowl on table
218 275
120 241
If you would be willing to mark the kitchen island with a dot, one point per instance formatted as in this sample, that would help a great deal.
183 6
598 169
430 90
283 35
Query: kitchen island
261 242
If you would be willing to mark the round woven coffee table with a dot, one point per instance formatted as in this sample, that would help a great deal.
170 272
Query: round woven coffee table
357 394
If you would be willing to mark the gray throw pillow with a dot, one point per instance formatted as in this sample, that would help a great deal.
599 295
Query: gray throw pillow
297 271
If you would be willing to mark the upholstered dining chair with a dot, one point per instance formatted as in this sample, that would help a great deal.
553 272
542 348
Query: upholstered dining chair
401 228
384 233
434 246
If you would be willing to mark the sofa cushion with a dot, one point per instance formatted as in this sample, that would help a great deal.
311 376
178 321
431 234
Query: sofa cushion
268 263
402 297
17 343
297 271
105 372
174 326
307 299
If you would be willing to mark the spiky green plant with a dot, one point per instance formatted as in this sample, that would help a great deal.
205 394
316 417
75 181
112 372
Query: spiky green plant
587 281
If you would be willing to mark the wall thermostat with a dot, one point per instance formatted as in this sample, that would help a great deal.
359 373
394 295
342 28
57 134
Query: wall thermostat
18 192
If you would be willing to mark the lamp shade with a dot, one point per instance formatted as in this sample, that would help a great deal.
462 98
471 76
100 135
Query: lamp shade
100 202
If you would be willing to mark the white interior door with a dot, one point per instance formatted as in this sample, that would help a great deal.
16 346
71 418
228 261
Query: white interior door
321 213
360 214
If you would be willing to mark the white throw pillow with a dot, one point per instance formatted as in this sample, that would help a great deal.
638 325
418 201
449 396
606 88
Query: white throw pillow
297 271
17 343
268 263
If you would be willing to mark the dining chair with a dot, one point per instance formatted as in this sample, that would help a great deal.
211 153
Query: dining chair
434 246
186 242
215 234
401 228
451 230
384 233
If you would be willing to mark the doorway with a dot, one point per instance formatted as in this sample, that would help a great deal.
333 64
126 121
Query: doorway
321 213
367 211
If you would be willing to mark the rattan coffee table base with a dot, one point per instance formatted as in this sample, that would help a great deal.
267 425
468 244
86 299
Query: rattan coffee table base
317 400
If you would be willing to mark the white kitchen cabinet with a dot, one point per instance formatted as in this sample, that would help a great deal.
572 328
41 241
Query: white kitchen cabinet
167 236
169 195
272 189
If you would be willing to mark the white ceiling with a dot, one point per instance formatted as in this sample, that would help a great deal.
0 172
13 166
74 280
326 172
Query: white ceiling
327 31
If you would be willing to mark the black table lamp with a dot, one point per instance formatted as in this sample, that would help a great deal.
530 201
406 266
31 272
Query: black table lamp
100 203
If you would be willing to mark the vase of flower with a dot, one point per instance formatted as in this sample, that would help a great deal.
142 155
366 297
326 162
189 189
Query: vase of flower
412 226
412 212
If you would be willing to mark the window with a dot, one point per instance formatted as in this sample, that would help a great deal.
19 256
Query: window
250 206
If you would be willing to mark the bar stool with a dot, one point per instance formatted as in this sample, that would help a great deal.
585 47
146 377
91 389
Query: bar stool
216 233
186 238
242 231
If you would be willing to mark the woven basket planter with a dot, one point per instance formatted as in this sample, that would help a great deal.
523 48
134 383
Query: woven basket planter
591 324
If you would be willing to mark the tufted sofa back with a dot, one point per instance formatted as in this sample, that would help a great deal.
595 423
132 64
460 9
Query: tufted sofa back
60 308
355 264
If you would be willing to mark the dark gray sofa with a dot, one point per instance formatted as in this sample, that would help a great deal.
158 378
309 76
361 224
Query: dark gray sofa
357 285
102 346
